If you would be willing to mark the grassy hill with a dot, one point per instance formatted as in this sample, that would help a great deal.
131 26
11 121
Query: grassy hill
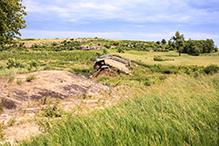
167 99
181 111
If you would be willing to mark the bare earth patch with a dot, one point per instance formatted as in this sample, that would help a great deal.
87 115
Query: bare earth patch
56 84
22 101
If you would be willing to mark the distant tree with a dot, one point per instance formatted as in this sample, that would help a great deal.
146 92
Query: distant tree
197 47
179 41
158 42
216 49
209 45
120 49
107 45
163 41
11 20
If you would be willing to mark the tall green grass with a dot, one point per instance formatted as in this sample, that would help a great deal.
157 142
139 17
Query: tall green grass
181 111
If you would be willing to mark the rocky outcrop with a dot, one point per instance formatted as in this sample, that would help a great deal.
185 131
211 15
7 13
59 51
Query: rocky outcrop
54 84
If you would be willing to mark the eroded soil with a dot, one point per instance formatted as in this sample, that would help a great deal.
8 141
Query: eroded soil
21 102
56 84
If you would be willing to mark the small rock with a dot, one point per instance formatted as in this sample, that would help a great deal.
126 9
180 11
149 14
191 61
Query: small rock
4 116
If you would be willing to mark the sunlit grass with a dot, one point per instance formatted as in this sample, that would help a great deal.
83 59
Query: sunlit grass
185 59
181 111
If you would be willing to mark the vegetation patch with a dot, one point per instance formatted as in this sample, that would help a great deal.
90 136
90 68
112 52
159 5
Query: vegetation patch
159 58
179 114
30 78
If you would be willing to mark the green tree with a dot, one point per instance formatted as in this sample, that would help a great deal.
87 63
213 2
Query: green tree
163 41
179 41
107 45
158 42
215 49
11 20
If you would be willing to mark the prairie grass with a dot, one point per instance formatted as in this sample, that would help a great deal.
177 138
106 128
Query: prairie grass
185 59
76 61
181 111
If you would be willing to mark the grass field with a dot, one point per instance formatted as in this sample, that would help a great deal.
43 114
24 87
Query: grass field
185 59
181 111
168 104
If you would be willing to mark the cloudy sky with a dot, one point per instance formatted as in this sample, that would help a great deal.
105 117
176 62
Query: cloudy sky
148 20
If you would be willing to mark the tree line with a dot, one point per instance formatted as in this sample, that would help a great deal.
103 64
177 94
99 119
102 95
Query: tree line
12 14
193 47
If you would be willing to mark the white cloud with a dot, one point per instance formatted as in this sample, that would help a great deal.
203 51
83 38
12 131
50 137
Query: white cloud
124 10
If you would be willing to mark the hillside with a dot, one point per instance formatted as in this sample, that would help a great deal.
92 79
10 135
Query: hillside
53 81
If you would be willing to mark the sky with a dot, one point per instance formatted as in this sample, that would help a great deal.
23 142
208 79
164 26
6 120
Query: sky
146 20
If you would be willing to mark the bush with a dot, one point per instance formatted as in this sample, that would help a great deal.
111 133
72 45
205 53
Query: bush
2 134
211 69
30 78
19 81
120 50
158 58
10 63
47 67
51 111
14 63
11 79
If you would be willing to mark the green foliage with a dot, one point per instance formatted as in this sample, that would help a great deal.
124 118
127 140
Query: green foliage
30 78
19 81
47 67
11 79
11 12
210 69
158 58
11 121
14 63
163 42
196 47
179 114
2 134
178 41
44 100
28 61
1 110
120 50
107 45
86 72
158 42
51 111
193 70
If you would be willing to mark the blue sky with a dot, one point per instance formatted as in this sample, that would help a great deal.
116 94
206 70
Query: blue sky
148 20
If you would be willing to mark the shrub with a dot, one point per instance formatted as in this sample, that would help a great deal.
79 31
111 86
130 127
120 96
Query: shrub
10 63
34 64
211 69
30 78
2 134
11 79
14 63
1 66
51 111
11 122
120 50
19 81
158 58
47 67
